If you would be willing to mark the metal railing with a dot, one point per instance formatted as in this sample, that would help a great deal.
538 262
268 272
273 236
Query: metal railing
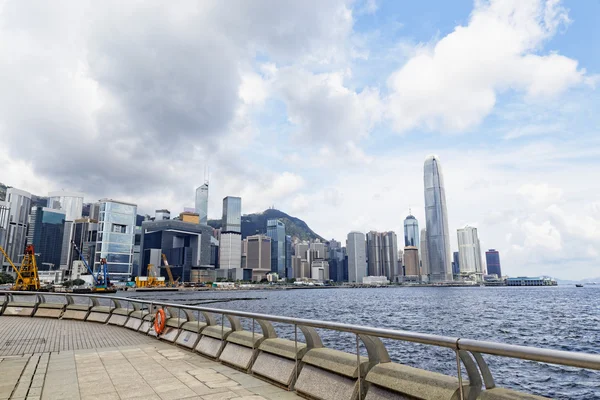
468 352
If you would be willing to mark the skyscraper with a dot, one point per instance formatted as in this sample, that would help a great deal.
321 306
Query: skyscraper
72 204
424 256
116 237
469 253
436 218
455 264
382 254
289 272
357 263
411 231
14 220
46 231
492 259
258 256
411 263
276 231
232 214
202 203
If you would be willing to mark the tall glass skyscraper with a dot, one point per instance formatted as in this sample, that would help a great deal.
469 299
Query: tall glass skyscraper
232 214
72 204
492 259
436 219
46 230
202 203
411 232
276 231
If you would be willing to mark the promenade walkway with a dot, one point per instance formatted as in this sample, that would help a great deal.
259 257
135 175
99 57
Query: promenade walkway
63 359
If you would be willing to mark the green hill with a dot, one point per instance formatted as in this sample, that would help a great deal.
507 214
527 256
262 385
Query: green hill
253 224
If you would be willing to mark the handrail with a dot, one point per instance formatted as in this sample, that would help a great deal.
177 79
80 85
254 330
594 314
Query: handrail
560 357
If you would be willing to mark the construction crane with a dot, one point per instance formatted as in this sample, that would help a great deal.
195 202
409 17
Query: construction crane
27 274
168 267
101 280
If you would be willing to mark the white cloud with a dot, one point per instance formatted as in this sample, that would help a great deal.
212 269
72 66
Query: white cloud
540 194
453 84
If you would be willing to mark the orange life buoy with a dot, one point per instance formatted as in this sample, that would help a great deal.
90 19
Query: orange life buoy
159 321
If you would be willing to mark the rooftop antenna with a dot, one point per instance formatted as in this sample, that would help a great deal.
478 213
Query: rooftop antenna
409 211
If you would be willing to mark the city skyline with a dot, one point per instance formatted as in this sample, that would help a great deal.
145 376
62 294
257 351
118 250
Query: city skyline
358 92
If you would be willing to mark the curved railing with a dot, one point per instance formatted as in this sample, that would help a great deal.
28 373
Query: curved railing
307 367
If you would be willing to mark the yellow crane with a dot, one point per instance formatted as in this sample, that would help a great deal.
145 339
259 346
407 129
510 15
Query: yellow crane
27 274
171 281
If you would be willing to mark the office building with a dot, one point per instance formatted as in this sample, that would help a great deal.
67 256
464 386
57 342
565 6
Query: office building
492 260
357 260
72 204
161 215
258 256
14 219
424 256
289 272
436 219
455 264
411 231
190 217
469 253
45 232
202 203
186 246
336 263
382 254
276 231
116 237
230 251
411 264
319 270
232 214
85 236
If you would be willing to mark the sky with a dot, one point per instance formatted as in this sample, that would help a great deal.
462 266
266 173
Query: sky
324 109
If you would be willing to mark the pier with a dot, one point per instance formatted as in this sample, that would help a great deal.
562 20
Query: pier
78 346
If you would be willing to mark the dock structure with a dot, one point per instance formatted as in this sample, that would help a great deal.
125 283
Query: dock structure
65 346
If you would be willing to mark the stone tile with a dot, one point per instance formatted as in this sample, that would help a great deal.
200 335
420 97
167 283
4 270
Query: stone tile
132 392
168 387
221 396
219 384
267 389
282 396
102 396
242 391
177 394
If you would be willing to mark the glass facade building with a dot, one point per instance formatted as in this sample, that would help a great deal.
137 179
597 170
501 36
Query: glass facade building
115 239
232 215
492 259
411 232
455 263
46 230
202 203
72 204
276 231
436 219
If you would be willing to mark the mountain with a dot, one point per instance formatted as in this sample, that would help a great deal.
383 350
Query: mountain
253 224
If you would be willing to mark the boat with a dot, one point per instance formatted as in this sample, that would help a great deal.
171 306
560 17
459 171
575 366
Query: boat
579 285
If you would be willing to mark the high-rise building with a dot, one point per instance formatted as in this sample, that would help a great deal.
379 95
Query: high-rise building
357 260
232 214
289 272
116 237
424 256
230 251
469 253
411 231
45 232
455 264
319 270
436 218
492 259
14 220
72 204
276 231
85 236
202 203
382 254
258 256
411 264
336 263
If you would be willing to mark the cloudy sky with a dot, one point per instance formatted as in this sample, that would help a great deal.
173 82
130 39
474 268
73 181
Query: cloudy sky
325 109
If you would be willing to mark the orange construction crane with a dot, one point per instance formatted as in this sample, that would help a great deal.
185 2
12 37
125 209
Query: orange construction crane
171 281
27 274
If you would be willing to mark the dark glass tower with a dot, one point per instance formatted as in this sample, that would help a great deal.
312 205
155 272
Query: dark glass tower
492 259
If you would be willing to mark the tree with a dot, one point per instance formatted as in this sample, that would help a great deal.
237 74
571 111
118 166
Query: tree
78 282
6 278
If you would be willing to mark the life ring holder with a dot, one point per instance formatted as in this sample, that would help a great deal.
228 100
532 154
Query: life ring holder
160 321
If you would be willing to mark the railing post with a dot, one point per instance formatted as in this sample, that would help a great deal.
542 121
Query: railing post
460 384
358 367
295 354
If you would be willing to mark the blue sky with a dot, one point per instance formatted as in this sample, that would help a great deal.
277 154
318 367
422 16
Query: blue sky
324 109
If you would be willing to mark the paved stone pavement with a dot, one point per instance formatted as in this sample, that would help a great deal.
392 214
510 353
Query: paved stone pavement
154 370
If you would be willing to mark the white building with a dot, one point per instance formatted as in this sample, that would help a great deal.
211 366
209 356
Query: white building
230 251
319 270
469 253
14 219
375 280
202 203
357 259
